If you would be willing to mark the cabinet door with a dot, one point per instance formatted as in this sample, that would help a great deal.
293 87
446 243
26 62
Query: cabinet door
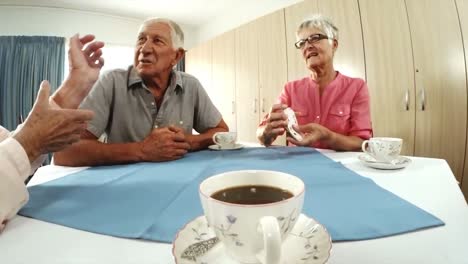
295 15
198 64
462 6
272 61
390 76
223 92
440 81
247 91
349 58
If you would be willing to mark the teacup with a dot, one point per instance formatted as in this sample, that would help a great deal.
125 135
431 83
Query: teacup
383 149
225 139
252 212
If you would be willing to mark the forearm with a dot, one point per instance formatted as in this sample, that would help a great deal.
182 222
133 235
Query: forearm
89 152
72 91
205 139
341 142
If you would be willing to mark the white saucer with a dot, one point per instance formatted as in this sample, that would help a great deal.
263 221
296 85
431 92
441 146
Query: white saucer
308 243
397 163
217 147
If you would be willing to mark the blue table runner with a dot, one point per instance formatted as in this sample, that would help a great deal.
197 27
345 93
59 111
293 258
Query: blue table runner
154 200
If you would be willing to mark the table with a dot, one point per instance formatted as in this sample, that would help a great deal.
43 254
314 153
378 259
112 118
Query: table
427 183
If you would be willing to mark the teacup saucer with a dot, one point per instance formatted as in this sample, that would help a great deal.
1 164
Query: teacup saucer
217 147
397 163
196 243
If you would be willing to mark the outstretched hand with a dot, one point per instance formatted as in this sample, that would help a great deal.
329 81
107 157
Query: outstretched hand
47 129
85 57
85 61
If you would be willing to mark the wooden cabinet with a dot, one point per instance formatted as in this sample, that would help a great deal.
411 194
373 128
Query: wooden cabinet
247 87
462 7
416 74
390 70
199 62
349 57
223 92
441 95
213 64
272 62
260 71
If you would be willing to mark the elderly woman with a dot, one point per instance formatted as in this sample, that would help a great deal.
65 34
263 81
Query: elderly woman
332 109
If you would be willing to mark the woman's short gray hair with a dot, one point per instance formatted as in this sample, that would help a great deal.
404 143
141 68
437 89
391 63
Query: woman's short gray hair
320 22
177 34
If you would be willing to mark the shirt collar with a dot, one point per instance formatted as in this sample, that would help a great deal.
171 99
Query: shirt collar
134 78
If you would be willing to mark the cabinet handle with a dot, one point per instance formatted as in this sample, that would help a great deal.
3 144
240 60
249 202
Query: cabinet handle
423 99
233 107
422 93
407 100
263 105
255 105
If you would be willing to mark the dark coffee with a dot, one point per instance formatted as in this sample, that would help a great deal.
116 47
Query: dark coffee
252 194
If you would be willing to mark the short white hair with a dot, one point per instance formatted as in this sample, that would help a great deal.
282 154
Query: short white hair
321 23
177 34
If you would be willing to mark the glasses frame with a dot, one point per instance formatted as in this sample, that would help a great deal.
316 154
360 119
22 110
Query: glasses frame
314 38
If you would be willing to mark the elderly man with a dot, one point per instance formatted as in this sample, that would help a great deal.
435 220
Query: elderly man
146 112
48 127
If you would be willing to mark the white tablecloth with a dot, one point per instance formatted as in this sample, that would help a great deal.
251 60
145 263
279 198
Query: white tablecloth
427 183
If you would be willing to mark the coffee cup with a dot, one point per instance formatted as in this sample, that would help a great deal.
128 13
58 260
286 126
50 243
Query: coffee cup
252 212
383 149
225 139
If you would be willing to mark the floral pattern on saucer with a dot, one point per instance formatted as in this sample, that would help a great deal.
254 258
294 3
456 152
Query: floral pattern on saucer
196 243
398 163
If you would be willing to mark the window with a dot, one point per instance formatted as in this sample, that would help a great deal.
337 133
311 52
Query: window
115 57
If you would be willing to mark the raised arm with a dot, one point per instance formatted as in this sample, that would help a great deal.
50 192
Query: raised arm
85 63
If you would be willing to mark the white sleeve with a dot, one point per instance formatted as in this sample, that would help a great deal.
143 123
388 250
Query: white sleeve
14 168
40 160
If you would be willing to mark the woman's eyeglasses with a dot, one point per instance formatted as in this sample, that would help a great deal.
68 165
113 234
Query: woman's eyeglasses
311 39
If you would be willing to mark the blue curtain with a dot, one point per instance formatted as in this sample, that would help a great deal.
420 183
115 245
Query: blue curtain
24 63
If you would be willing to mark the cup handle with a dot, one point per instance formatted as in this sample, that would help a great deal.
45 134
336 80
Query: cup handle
271 239
214 138
364 146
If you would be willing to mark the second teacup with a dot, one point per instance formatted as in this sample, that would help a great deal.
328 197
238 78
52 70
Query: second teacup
225 139
383 149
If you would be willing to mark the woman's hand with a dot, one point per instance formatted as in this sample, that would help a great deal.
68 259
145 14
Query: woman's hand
275 125
311 133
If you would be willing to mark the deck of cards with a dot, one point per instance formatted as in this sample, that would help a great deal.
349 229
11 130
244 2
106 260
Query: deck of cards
291 122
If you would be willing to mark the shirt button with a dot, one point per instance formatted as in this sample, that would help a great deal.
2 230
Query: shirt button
341 112
155 126
318 117
152 103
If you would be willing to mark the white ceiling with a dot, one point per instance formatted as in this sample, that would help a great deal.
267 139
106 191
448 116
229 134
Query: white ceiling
193 13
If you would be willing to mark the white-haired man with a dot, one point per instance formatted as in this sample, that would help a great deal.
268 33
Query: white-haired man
148 111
